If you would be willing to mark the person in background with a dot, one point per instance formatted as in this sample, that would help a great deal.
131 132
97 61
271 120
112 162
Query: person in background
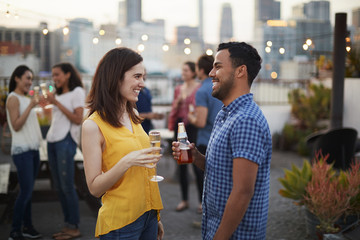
144 107
25 143
117 154
206 109
237 160
62 139
184 102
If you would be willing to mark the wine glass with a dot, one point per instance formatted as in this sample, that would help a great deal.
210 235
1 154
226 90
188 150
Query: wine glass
155 141
36 93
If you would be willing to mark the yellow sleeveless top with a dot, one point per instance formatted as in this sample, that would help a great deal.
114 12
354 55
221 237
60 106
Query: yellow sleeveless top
134 194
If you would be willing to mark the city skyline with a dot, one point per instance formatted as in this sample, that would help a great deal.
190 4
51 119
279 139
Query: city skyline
173 11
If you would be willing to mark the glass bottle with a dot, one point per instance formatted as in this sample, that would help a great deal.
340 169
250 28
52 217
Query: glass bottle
185 151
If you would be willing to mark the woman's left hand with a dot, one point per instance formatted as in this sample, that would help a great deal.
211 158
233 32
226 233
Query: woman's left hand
160 231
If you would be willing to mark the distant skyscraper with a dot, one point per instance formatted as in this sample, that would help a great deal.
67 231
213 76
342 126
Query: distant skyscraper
201 21
122 14
319 10
226 26
183 32
356 17
133 11
266 10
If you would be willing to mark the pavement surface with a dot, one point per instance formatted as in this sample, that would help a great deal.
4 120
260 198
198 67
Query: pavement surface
286 221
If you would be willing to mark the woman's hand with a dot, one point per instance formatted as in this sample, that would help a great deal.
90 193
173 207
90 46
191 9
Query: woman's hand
51 98
147 157
160 231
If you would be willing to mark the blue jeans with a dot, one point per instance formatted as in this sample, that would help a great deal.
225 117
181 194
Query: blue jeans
61 161
27 165
144 228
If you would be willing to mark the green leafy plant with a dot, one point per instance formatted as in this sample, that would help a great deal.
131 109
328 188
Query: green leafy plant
311 111
328 194
295 181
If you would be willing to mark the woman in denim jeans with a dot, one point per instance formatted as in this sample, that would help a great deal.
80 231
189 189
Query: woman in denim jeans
25 142
63 138
118 159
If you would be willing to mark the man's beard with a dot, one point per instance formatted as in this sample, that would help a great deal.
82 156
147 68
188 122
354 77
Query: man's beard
224 89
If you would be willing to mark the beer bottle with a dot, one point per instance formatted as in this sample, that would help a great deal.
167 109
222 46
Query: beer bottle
185 151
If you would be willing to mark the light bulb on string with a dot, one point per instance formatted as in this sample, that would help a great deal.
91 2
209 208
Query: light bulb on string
45 31
7 14
165 48
144 37
66 30
187 51
118 41
95 40
209 52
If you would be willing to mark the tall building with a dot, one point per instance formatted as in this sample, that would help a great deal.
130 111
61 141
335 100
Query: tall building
226 26
133 11
266 10
183 32
201 21
356 17
76 45
319 10
31 41
122 13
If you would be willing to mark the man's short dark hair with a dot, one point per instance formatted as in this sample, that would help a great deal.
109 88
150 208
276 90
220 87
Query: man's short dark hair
242 53
205 62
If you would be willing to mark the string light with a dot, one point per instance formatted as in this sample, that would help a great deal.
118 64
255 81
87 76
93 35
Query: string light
187 41
187 51
281 50
144 37
141 47
348 48
66 30
308 41
305 47
95 40
7 14
209 52
274 75
45 31
165 48
102 32
118 41
268 49
269 43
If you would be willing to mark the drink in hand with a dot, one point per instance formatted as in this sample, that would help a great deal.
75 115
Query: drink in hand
185 151
155 141
43 89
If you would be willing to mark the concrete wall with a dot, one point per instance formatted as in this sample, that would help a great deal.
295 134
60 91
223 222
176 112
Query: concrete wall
351 117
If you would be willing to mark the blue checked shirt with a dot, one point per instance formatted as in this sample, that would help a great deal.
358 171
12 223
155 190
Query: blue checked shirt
240 131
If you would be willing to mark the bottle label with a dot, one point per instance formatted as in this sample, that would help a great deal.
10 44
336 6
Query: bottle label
182 135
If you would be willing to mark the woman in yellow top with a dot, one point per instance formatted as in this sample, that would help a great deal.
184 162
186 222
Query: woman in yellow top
118 159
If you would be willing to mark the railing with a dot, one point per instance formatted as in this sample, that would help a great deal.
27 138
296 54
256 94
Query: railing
275 92
266 91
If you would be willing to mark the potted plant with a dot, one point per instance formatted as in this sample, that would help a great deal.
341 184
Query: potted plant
329 197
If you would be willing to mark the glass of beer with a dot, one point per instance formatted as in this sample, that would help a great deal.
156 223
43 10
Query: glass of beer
155 141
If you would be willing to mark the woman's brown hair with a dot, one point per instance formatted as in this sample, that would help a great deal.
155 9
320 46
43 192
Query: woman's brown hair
104 96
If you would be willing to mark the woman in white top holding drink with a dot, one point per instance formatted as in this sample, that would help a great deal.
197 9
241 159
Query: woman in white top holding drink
63 138
25 143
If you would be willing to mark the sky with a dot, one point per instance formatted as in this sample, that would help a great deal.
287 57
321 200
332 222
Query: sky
175 13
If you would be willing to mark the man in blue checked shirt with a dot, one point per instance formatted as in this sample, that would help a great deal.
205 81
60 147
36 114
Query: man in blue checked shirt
237 160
